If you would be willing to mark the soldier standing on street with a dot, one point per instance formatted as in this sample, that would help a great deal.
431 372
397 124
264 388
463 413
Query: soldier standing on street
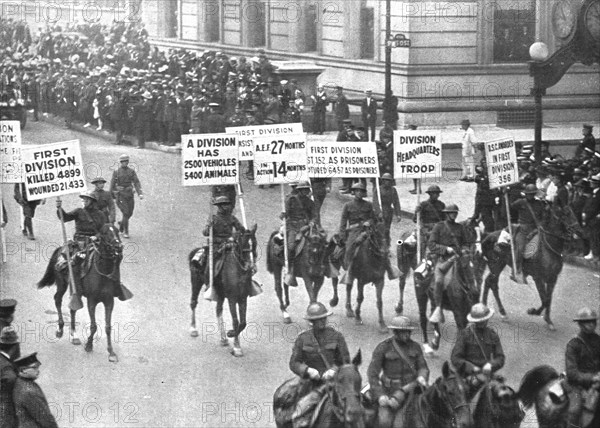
396 368
28 208
106 203
122 184
478 349
431 213
390 202
582 361
341 109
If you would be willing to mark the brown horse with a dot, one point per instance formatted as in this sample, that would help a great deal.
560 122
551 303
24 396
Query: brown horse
342 405
99 284
310 265
232 282
497 406
556 227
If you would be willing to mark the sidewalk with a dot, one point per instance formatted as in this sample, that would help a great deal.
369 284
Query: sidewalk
563 138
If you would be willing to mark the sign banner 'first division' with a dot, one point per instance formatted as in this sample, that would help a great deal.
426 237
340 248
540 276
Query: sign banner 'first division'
247 135
53 170
417 154
10 151
330 159
501 159
209 159
279 160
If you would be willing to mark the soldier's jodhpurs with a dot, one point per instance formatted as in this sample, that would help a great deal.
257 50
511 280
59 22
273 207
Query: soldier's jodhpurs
386 415
126 205
440 271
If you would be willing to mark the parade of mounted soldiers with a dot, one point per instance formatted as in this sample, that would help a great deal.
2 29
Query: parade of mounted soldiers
201 217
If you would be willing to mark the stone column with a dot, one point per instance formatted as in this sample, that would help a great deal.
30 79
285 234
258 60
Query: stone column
297 13
352 42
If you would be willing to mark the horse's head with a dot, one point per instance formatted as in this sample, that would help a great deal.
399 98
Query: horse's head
316 245
247 243
110 242
452 393
563 219
544 387
346 388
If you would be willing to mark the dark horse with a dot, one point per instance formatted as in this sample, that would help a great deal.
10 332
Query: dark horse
442 405
543 387
556 227
342 404
231 282
497 406
100 280
460 293
367 266
309 264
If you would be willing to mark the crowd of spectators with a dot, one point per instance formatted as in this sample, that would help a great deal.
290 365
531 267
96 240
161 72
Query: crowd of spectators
111 78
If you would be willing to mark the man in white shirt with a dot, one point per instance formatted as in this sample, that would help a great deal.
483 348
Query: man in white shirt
468 151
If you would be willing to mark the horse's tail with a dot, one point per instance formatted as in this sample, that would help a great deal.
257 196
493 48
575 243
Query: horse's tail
49 277
533 381
271 257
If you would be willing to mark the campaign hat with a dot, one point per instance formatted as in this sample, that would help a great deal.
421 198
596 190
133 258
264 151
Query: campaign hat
583 314
221 200
479 313
89 195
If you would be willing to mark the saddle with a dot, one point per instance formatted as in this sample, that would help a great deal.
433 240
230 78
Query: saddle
295 403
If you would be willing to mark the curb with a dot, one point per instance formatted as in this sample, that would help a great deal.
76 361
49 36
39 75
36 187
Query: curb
581 262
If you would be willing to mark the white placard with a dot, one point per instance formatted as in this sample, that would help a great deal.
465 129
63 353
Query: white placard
209 159
501 159
417 154
280 159
330 159
53 170
10 151
247 134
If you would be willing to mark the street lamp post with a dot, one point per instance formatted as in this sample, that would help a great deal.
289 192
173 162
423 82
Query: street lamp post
538 52
388 54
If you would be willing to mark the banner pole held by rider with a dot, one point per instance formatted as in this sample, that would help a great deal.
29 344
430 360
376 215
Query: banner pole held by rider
75 303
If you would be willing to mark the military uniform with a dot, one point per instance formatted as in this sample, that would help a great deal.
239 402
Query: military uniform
106 204
8 377
527 224
388 372
299 211
31 405
223 226
391 207
88 221
468 351
305 354
225 190
354 214
431 214
123 181
485 202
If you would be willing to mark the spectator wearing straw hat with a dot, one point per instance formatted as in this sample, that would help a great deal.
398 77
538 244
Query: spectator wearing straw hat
588 141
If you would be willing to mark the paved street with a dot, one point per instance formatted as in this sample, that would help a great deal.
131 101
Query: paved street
167 378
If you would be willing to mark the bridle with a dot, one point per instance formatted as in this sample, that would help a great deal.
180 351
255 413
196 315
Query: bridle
453 407
339 401
239 255
114 251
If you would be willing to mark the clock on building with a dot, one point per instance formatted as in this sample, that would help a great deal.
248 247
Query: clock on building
564 19
591 20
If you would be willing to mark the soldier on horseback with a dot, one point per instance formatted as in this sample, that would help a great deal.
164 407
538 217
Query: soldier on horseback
357 214
448 241
530 210
299 213
478 350
396 368
582 361
225 225
317 355
431 213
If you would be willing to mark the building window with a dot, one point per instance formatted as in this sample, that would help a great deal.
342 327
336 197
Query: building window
514 30
311 28
367 28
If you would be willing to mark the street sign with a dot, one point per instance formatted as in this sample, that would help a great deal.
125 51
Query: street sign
417 154
330 159
10 151
280 159
247 134
53 170
399 41
501 159
209 159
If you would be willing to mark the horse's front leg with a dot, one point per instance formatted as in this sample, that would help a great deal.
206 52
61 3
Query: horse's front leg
549 290
234 332
91 304
196 287
349 311
401 285
74 336
108 309
221 323
279 291
360 297
379 290
310 289
541 288
317 284
334 284
61 288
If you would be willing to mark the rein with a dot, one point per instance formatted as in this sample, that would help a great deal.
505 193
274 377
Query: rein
243 264
113 257
338 401
445 400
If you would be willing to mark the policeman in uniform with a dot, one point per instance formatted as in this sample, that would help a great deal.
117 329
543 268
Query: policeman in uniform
224 225
123 181
478 350
7 312
356 214
317 355
299 212
530 211
431 213
582 361
397 366
10 350
106 204
448 240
